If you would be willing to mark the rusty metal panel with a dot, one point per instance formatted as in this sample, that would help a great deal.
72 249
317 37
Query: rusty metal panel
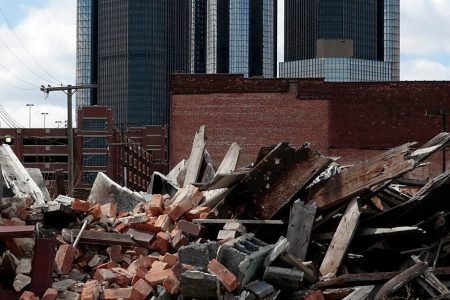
16 231
41 274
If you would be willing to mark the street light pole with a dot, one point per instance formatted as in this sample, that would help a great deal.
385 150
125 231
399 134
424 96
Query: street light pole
58 122
29 114
44 114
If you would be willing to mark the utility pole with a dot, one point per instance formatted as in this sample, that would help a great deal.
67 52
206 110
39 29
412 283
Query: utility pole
443 115
69 90
44 114
29 114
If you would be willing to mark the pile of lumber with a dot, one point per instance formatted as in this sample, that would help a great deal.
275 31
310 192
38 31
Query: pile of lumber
292 225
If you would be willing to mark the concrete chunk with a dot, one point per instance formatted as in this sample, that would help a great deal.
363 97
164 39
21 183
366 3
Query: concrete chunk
199 285
284 278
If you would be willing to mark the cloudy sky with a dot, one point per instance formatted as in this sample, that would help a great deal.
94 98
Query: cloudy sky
37 46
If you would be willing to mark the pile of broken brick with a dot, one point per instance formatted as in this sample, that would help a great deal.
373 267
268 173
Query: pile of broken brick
292 225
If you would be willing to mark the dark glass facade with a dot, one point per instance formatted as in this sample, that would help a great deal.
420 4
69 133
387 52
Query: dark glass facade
371 25
138 44
240 37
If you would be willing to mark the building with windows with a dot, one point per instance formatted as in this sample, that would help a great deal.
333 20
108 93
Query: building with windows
128 157
129 48
236 37
342 40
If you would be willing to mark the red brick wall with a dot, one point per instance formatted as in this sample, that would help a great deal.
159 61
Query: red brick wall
350 120
251 119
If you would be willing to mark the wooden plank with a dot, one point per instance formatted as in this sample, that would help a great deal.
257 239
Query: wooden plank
196 158
298 264
98 238
400 280
250 222
173 174
341 239
436 143
221 181
430 279
16 231
230 160
369 175
374 232
360 293
299 230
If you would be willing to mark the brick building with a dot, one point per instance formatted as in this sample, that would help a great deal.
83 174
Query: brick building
348 120
129 157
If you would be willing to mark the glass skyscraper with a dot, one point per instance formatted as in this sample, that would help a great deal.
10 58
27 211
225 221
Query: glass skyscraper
234 36
347 40
130 48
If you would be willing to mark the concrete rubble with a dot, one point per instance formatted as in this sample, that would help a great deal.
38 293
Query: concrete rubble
293 225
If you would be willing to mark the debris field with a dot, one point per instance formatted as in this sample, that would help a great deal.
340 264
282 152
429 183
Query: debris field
294 224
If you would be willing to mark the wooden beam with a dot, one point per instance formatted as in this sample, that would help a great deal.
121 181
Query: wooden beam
400 280
360 293
299 230
249 222
368 175
430 279
16 231
374 232
291 260
230 160
196 158
341 239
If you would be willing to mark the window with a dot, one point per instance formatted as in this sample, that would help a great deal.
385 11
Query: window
89 177
94 159
94 124
94 142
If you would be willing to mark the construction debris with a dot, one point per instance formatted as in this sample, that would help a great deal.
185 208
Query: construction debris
293 225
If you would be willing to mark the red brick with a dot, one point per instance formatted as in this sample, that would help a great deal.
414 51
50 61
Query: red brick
157 278
122 293
123 277
115 253
159 266
105 275
91 290
157 205
189 228
96 211
229 281
144 262
141 290
195 213
172 285
80 205
108 265
164 223
315 295
170 259
178 239
162 243
51 294
178 210
28 296
64 258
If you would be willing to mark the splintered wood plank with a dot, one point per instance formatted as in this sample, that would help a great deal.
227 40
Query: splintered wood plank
300 226
298 264
430 279
368 175
196 158
369 232
400 280
360 293
230 160
341 239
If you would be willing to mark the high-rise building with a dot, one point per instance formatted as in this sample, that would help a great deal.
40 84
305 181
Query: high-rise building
234 36
346 40
129 48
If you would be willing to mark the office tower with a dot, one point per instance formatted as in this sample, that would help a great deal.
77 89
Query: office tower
138 45
234 36
347 40
86 51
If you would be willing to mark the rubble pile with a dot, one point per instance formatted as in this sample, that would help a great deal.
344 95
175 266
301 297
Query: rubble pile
292 225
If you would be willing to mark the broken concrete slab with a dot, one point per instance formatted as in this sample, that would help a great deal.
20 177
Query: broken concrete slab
199 285
104 191
289 279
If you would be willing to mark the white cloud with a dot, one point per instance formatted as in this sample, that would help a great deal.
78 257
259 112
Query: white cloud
49 33
424 69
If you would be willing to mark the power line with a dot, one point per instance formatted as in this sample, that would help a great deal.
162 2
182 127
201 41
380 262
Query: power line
17 77
17 124
17 87
25 48
21 62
